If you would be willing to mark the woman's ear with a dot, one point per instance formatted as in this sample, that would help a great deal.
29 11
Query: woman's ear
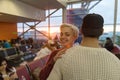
80 31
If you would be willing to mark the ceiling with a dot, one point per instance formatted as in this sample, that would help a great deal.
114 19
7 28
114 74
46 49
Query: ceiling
14 19
44 4
40 4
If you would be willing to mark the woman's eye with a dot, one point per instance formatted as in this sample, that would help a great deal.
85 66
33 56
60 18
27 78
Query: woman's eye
67 34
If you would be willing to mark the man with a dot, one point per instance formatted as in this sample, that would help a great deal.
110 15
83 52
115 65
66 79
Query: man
88 61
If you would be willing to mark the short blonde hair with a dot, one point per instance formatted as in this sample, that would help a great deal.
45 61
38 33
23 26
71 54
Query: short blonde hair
73 27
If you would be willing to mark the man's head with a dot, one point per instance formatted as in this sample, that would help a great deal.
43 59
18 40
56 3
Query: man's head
92 25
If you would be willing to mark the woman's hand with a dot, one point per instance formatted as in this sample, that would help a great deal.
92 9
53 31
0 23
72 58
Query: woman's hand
13 76
59 54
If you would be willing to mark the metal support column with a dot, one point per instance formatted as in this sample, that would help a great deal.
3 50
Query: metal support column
64 15
49 24
115 20
23 29
35 32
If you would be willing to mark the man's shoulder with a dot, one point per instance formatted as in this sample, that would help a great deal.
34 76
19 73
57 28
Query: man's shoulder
74 47
72 51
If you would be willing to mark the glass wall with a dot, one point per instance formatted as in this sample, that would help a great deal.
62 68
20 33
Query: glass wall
42 27
107 11
103 8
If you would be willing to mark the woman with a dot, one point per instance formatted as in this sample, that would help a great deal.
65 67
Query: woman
7 72
68 34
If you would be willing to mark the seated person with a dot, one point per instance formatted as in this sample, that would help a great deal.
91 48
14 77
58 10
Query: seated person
116 49
110 46
6 44
7 72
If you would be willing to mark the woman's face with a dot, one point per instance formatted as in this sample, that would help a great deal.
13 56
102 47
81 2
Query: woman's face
67 37
3 66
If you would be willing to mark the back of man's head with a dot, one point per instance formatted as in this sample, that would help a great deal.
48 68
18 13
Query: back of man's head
92 25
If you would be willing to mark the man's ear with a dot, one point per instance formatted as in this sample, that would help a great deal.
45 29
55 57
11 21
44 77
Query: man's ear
102 31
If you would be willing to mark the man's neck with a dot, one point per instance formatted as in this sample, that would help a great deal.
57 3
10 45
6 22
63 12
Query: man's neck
90 42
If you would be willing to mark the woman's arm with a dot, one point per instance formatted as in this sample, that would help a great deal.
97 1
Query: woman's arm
14 76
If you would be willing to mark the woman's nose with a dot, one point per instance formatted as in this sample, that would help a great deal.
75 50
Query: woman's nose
63 36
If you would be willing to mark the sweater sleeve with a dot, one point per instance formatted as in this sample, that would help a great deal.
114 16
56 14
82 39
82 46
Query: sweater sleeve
44 73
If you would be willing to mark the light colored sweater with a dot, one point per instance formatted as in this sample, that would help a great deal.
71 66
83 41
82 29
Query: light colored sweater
85 63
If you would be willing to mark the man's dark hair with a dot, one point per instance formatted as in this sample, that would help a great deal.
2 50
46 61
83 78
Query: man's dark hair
92 25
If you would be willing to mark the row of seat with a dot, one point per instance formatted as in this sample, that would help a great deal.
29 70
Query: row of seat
16 55
7 52
27 70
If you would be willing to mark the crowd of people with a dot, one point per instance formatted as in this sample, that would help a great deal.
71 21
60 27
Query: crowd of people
87 60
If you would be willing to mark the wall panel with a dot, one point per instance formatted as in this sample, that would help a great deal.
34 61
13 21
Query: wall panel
8 31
